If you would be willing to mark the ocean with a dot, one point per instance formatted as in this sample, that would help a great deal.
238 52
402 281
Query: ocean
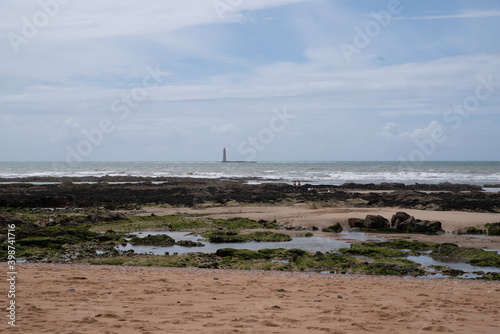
331 173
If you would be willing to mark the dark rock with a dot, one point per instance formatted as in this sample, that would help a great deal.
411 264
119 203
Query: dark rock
403 222
8 218
374 222
153 240
189 243
336 228
355 222
398 218
493 228
426 226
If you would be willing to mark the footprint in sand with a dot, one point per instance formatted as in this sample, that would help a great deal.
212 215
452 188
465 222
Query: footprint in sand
437 329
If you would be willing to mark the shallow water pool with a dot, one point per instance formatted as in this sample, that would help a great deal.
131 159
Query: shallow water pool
312 244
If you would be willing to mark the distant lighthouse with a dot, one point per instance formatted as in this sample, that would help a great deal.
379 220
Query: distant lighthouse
224 159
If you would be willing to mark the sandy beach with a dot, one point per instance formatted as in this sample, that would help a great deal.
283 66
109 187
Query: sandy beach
110 299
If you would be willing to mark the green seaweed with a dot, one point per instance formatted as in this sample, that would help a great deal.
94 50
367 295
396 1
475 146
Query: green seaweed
336 228
235 236
153 240
372 251
493 228
475 256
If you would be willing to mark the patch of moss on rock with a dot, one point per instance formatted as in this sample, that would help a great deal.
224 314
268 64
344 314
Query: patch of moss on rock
235 236
391 267
372 251
493 228
153 240
474 256
336 228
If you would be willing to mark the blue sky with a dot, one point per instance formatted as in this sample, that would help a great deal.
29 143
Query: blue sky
269 80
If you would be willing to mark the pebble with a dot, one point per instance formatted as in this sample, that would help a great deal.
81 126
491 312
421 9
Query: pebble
339 296
216 279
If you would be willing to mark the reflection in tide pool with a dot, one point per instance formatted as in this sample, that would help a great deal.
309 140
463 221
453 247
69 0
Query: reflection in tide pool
312 244
429 261
361 236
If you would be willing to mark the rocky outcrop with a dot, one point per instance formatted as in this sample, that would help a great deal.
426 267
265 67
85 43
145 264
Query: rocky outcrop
375 222
190 192
446 186
371 221
398 218
401 222
355 222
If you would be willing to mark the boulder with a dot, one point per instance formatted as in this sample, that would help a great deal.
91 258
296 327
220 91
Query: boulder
426 226
398 218
373 221
405 225
403 222
355 222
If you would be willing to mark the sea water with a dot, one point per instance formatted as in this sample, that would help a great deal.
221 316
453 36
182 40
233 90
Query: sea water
334 173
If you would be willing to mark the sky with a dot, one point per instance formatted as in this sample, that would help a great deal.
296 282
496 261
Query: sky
269 80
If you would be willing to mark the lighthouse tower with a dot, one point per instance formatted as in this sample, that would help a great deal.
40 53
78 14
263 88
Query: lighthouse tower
224 155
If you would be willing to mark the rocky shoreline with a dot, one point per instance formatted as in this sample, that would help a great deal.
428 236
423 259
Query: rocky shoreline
123 192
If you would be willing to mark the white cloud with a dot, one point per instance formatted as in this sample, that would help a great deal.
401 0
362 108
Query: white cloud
391 131
430 131
466 15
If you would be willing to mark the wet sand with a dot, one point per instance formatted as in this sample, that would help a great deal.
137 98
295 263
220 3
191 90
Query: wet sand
107 299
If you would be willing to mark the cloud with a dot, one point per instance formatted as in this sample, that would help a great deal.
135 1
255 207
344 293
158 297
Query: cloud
227 75
114 18
467 15
430 131
391 131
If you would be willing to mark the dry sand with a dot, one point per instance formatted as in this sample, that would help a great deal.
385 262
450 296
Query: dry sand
107 299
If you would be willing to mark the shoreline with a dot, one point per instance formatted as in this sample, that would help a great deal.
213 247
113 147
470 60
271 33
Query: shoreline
251 180
190 192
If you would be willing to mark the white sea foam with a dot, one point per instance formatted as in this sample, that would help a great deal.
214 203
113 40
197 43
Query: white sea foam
306 172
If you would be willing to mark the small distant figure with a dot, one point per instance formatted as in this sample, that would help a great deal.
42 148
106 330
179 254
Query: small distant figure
294 186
